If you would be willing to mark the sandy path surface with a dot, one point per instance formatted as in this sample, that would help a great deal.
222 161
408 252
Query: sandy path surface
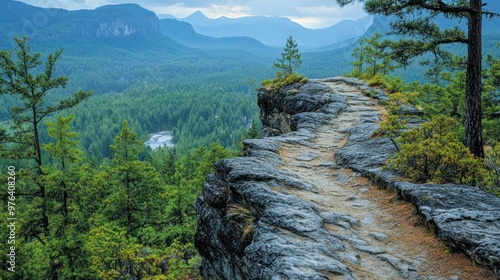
383 237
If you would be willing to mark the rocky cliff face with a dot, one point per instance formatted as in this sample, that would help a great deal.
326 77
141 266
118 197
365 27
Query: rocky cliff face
274 248
289 209
118 21
288 110
123 20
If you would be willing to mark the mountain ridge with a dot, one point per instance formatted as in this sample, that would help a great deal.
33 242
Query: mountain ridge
257 27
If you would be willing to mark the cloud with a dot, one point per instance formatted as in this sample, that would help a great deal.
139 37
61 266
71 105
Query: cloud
313 13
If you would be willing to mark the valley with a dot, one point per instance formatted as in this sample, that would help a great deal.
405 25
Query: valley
108 181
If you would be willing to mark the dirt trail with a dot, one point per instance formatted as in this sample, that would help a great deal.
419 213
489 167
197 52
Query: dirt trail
383 237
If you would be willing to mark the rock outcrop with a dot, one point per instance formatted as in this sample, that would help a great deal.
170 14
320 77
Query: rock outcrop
267 215
276 248
112 21
117 21
290 108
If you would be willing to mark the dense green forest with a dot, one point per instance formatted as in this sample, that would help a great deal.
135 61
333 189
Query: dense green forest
98 188
92 202
121 212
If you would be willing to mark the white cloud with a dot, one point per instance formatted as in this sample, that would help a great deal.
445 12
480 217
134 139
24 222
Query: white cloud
313 14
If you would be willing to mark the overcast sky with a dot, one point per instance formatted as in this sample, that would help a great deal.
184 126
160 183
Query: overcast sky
310 13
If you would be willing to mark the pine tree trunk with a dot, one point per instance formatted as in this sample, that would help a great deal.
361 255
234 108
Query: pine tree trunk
473 110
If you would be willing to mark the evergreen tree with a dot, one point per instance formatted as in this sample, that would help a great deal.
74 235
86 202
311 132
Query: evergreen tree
375 54
136 190
22 75
415 20
253 132
290 58
65 244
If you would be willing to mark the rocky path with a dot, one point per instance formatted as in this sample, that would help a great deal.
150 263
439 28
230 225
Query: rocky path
382 237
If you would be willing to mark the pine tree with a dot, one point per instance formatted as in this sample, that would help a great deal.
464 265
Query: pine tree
22 75
415 21
253 132
290 59
135 195
63 181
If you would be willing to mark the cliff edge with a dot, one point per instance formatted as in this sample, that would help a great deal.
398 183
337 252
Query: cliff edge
298 205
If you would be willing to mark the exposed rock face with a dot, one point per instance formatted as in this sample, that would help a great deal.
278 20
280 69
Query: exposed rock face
294 233
119 21
111 21
289 108
277 248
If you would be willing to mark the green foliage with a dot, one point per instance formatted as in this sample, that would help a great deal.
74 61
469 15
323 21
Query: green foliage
416 22
134 196
393 84
185 186
48 217
65 148
253 132
394 121
280 82
492 161
372 58
376 81
491 101
116 256
22 75
433 153
285 76
290 59
118 221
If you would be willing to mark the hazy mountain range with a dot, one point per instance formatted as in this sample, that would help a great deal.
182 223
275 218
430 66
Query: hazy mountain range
258 27
126 20
128 32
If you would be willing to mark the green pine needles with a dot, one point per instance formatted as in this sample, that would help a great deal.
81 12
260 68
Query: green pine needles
290 58
286 66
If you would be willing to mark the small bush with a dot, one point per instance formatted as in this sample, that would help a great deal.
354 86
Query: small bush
279 82
433 153
393 84
394 122
376 81
492 161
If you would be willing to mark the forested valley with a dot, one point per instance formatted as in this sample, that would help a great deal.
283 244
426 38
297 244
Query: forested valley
91 201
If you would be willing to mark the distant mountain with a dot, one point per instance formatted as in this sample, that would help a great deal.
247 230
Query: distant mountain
185 34
126 20
125 32
258 27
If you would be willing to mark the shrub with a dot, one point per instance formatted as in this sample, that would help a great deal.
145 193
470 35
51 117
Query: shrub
492 161
393 84
433 153
279 82
394 122
376 81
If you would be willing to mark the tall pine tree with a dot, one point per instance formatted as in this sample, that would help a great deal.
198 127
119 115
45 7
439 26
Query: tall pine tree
22 75
290 58
136 189
415 20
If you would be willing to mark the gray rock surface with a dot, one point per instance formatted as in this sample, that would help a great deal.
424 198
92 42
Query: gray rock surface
465 218
288 240
289 237
297 106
